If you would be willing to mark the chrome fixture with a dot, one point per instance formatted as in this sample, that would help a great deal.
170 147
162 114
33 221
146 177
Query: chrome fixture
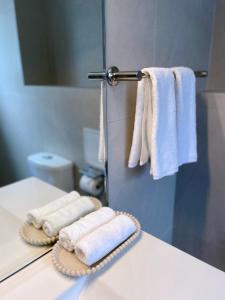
113 75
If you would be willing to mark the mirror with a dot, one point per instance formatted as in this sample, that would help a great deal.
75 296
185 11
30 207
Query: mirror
49 112
67 44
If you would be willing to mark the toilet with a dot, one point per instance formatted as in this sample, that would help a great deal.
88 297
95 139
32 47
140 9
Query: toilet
53 169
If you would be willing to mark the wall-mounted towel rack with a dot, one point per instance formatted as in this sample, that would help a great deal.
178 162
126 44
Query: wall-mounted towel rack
113 75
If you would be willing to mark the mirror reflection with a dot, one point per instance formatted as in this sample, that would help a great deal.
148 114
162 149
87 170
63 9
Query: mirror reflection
60 41
49 113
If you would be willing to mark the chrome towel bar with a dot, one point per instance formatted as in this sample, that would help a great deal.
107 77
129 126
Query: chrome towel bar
113 75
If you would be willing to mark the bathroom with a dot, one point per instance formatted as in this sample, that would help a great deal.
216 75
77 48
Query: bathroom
48 105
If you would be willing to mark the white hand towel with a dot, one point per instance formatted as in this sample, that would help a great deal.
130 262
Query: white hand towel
185 90
146 122
161 131
135 151
67 215
101 151
35 216
69 235
104 239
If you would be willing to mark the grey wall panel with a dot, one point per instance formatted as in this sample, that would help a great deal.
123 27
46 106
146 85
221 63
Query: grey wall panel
141 34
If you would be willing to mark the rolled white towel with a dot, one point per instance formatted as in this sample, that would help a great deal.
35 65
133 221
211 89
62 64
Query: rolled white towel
35 216
68 236
67 215
104 239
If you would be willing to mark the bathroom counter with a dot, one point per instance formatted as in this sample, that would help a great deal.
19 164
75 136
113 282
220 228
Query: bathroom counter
15 200
150 269
26 194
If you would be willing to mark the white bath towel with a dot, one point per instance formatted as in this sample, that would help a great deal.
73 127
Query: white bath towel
104 239
101 151
67 215
185 89
35 216
69 235
163 133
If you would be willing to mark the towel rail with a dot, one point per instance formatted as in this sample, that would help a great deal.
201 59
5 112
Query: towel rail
113 75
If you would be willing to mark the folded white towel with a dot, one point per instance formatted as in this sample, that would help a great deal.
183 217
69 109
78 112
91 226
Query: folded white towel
104 239
185 90
101 151
163 133
67 215
35 216
69 235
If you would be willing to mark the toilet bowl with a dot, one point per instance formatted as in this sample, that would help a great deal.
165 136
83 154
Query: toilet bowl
53 169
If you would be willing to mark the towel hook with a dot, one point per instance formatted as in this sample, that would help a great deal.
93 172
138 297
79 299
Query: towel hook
113 75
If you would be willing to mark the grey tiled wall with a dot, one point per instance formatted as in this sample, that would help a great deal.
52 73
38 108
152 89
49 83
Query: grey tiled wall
217 65
140 34
200 205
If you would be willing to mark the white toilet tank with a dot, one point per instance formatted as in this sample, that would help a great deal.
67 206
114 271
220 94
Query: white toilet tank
53 169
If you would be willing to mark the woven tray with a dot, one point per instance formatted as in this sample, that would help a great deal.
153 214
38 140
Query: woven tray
37 237
68 263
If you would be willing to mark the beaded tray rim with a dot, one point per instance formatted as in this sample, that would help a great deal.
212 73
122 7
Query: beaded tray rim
57 248
46 240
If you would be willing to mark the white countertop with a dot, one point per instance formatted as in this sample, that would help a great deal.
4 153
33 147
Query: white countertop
21 196
15 200
150 269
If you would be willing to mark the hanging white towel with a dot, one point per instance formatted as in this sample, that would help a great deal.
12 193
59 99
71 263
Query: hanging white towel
104 239
146 121
101 152
135 151
69 235
67 215
162 133
35 216
185 89
155 135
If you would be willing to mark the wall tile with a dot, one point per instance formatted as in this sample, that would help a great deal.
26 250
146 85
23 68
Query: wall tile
129 28
134 190
217 64
199 211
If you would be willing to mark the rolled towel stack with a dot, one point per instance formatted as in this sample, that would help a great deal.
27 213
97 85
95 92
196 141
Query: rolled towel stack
69 235
67 215
104 239
36 216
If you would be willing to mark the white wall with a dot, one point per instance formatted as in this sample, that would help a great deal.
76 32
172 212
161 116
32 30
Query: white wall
36 118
